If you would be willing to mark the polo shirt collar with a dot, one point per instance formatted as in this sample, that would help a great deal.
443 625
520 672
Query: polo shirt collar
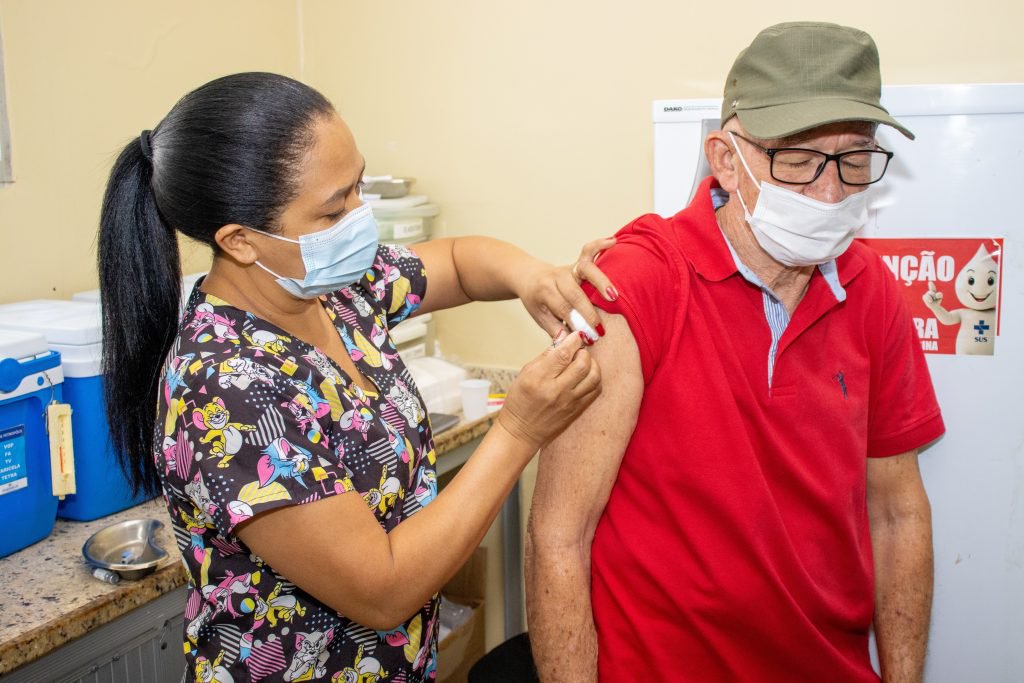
701 238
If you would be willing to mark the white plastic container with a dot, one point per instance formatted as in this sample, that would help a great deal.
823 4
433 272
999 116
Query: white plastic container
404 221
413 336
438 382
91 295
187 283
74 328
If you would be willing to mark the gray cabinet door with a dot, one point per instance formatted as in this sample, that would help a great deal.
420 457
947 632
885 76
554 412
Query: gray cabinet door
143 646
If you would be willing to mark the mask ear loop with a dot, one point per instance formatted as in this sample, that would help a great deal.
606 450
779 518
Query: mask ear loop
739 194
743 160
268 270
276 237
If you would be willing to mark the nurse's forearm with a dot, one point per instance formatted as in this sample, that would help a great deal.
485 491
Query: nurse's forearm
464 269
423 552
430 547
492 270
335 549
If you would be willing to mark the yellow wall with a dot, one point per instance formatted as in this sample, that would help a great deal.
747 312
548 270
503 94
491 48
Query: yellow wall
83 78
527 120
530 120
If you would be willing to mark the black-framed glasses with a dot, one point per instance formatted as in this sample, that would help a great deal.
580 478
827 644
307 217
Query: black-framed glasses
799 166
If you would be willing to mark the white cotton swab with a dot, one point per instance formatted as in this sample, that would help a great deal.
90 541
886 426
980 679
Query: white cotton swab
578 324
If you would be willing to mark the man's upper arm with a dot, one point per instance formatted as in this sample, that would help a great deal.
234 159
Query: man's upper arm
577 470
904 413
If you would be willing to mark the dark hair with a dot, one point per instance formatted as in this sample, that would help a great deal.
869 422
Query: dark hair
228 152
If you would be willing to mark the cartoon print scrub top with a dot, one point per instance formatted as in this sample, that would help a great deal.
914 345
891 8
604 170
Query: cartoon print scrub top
251 419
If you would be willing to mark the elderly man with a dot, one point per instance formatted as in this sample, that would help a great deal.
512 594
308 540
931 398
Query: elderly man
744 500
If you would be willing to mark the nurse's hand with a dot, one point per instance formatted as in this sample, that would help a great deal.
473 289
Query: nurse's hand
551 292
551 391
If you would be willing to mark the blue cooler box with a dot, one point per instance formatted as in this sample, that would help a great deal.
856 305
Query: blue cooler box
30 378
74 328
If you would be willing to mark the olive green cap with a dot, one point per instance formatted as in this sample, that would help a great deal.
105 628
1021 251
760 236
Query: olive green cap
800 75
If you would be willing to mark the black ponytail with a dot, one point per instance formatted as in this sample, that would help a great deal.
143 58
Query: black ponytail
228 152
140 286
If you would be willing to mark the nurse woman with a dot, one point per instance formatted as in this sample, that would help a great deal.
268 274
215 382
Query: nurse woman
289 440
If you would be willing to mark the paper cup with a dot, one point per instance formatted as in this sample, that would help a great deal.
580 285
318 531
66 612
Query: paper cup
474 398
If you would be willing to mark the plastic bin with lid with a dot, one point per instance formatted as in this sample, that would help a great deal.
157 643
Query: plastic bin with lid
438 383
30 378
187 283
404 221
414 336
74 329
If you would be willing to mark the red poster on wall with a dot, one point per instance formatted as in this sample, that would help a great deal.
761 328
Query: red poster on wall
952 288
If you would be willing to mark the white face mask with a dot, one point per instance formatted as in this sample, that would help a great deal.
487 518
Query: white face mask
797 230
334 258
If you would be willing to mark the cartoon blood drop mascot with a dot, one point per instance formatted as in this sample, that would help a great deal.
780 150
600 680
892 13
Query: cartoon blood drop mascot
977 287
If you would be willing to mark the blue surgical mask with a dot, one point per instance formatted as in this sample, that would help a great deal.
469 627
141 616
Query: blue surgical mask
334 258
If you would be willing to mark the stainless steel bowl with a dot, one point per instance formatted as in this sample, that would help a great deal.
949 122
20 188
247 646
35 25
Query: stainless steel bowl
128 548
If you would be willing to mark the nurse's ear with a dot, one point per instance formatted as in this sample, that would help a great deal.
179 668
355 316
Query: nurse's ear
721 156
236 241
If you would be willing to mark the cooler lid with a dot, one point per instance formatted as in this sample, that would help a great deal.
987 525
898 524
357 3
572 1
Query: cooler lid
61 322
187 282
80 360
88 295
18 344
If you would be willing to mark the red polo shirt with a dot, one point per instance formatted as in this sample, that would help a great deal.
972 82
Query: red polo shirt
735 544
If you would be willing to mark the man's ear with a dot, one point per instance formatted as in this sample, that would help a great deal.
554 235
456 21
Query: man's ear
236 242
721 156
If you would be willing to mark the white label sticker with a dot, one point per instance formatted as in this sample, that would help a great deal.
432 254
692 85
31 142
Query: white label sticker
409 229
13 472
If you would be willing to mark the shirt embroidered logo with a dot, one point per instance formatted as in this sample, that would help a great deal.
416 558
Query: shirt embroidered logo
838 377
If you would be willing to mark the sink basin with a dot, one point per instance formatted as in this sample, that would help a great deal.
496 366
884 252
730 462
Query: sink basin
128 548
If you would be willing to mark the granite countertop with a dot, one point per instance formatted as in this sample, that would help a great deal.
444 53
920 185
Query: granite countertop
51 598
